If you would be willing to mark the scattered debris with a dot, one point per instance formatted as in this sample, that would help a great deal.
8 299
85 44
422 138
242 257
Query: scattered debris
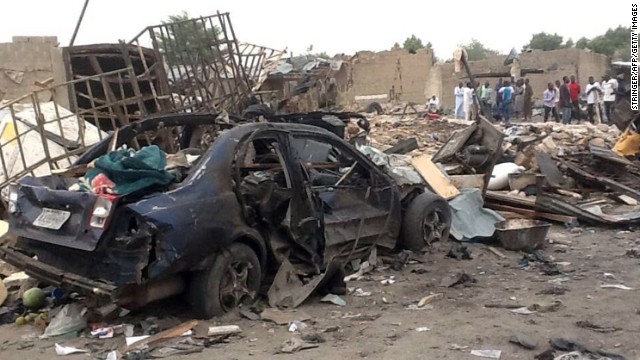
361 293
523 311
546 307
568 345
554 290
334 299
296 344
283 317
490 354
634 253
297 325
402 258
460 278
459 252
586 324
71 318
249 314
67 350
422 329
429 298
224 330
523 340
615 286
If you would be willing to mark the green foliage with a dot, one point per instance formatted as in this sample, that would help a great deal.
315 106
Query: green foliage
582 43
477 51
396 46
569 43
614 43
412 44
545 42
186 42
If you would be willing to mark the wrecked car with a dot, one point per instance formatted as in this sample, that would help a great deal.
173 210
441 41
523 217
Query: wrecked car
259 194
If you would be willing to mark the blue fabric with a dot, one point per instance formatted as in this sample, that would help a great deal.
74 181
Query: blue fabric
506 95
566 115
506 111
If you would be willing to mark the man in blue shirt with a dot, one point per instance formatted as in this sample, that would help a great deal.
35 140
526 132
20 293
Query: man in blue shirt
507 92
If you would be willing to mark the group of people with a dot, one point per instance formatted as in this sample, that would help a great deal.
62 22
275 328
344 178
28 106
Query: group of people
561 100
501 101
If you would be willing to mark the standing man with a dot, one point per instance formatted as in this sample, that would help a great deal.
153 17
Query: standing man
527 107
556 101
593 92
468 101
518 94
565 101
574 89
549 96
609 89
459 94
485 97
506 92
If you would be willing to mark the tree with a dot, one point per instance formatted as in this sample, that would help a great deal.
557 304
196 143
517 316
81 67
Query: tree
412 44
477 51
569 43
544 41
396 46
582 43
186 42
613 43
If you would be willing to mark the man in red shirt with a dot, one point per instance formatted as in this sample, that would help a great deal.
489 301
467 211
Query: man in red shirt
574 89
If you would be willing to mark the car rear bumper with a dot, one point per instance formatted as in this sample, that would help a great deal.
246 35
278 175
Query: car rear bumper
56 277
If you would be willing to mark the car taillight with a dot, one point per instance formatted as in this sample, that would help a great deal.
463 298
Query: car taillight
102 211
12 198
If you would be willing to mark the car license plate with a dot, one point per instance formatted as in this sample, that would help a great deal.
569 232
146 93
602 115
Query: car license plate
52 218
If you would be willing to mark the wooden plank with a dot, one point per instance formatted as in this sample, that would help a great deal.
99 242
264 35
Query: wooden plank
434 177
532 214
511 200
162 336
468 181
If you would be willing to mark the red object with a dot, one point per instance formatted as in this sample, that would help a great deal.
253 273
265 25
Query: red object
433 116
101 184
574 89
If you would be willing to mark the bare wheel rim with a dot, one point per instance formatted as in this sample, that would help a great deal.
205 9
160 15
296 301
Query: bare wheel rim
433 227
234 286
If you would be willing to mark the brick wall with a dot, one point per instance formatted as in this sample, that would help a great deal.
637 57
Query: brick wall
37 58
377 73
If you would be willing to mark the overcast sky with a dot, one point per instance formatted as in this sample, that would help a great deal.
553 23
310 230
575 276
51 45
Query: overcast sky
334 26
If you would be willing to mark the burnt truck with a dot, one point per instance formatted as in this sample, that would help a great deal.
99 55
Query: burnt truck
256 194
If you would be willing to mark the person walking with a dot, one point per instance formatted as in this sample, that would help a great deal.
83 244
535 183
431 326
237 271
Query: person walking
506 92
565 101
459 94
549 96
527 107
593 91
574 89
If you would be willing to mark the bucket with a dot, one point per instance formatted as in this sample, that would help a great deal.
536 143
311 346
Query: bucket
522 234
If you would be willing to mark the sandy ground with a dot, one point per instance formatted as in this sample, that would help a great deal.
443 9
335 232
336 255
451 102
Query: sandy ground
458 318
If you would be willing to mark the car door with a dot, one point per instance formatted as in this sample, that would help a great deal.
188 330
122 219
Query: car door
358 203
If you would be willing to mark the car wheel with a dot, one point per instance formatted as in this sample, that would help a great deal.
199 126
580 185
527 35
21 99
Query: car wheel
233 277
427 219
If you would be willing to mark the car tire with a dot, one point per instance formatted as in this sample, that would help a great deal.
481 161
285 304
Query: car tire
234 276
427 219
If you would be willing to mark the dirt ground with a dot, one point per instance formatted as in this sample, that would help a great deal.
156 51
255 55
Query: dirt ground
458 319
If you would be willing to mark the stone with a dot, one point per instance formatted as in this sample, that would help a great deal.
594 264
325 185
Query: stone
597 142
603 127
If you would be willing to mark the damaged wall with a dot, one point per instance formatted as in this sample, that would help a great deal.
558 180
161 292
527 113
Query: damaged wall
556 64
28 59
374 73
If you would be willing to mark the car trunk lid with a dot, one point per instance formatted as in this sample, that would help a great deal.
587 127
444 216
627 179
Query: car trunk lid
45 210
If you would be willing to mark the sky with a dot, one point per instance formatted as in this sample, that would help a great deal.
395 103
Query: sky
333 26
